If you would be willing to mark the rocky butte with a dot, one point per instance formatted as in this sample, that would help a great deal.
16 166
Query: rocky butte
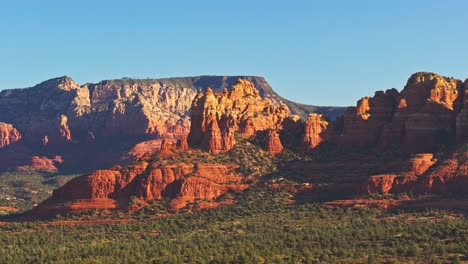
131 187
429 112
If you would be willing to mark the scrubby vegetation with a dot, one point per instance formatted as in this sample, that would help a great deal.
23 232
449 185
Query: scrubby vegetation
23 190
261 228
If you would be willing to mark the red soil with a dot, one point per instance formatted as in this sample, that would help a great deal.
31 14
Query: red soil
11 209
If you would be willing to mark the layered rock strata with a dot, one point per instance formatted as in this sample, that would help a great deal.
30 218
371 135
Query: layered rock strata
121 188
317 130
424 174
217 116
430 111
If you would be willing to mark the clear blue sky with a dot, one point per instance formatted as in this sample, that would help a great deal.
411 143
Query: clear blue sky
315 52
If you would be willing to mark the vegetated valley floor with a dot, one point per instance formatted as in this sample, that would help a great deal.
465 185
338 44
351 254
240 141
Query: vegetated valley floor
24 189
264 226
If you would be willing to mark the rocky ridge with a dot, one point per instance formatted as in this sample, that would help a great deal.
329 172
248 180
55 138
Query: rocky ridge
79 123
429 112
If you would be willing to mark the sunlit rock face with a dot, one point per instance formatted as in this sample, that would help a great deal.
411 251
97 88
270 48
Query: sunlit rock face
8 135
317 130
427 113
216 116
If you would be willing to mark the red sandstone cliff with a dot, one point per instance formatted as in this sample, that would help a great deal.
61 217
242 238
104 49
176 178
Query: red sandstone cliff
430 111
425 174
362 125
270 141
217 116
317 130
115 188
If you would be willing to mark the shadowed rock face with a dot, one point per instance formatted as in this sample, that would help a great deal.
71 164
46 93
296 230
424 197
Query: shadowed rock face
94 123
362 125
462 117
273 143
270 141
42 110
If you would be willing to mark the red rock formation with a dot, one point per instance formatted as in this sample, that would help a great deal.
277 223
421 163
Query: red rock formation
64 130
215 117
115 187
166 145
424 174
8 135
317 130
143 148
419 163
61 134
42 164
405 180
363 124
45 141
420 118
62 115
270 141
426 112
293 131
380 183
215 140
450 175
182 143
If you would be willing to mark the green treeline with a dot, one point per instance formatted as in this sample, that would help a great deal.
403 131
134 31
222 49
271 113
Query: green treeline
260 228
